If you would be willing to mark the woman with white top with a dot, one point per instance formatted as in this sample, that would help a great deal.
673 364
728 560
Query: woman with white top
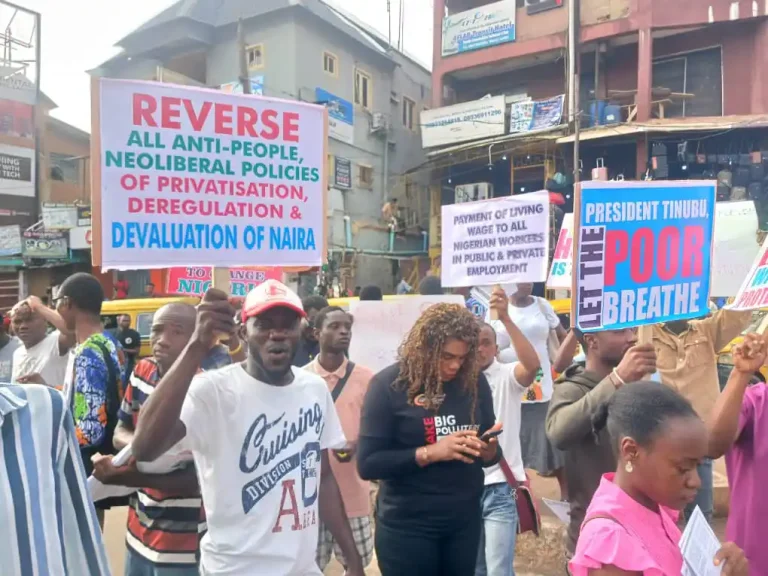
536 319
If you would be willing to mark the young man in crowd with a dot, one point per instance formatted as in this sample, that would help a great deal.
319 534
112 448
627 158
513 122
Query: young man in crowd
93 385
348 383
165 515
613 358
309 347
43 357
259 433
372 293
8 345
130 341
508 383
687 361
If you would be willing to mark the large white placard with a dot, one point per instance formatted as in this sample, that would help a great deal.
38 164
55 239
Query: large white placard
380 326
191 176
496 241
753 293
461 122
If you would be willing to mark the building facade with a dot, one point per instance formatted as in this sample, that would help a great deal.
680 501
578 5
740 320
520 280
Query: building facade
311 52
671 90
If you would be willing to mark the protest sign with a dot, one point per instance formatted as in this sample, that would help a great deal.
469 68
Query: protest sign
195 280
496 241
643 254
191 176
560 271
735 247
753 293
386 323
734 252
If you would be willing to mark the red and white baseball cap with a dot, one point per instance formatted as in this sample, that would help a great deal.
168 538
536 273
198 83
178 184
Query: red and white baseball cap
271 294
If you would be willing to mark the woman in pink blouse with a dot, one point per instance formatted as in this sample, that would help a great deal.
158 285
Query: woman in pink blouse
631 524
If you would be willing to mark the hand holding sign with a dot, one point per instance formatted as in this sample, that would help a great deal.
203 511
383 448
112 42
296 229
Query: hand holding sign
499 303
638 362
215 318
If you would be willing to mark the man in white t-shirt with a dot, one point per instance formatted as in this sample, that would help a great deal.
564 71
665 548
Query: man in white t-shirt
43 357
508 382
259 433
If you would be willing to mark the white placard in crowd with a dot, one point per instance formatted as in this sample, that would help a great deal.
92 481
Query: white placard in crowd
380 326
191 176
560 271
496 241
735 246
753 293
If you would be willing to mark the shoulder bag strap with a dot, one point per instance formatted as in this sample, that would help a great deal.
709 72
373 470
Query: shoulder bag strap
508 474
343 382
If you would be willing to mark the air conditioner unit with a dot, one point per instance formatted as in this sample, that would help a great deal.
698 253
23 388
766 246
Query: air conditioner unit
378 122
474 192
536 6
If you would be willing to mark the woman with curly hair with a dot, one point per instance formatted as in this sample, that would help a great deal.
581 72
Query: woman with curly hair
421 436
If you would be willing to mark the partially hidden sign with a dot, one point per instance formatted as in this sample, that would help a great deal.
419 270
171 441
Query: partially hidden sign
643 253
192 176
560 271
195 280
753 293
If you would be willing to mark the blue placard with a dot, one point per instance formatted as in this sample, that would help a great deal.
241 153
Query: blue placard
644 253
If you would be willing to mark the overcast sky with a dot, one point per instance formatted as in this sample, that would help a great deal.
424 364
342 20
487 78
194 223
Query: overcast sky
80 34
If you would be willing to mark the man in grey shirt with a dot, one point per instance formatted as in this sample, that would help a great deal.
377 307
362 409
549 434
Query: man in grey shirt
7 345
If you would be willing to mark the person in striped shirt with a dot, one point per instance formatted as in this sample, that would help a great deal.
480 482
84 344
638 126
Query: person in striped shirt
165 515
49 525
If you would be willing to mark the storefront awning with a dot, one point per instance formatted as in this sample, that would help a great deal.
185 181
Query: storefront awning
671 125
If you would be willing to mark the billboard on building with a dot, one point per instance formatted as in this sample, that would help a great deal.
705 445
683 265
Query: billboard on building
341 116
462 122
479 28
19 99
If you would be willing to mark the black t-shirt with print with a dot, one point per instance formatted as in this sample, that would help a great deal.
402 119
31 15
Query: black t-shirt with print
440 496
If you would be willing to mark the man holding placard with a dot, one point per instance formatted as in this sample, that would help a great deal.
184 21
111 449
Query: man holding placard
643 259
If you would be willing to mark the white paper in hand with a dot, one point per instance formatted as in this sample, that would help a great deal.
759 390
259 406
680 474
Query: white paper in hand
699 544
562 510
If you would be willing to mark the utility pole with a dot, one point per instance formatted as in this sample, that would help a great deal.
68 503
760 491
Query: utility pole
573 82
245 79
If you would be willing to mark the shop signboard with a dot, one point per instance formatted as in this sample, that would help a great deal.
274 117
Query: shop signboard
479 28
10 240
341 116
462 122
195 280
252 201
59 216
643 252
236 87
547 113
45 244
17 171
342 172
80 238
83 215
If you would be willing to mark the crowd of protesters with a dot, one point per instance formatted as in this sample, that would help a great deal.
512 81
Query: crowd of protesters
277 436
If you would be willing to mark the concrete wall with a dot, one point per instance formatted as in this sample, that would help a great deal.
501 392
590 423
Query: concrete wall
59 142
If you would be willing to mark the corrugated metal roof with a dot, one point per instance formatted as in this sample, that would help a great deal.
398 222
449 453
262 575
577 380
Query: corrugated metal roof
669 125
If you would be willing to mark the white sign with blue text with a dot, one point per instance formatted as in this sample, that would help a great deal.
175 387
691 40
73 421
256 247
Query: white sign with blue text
479 28
341 116
499 241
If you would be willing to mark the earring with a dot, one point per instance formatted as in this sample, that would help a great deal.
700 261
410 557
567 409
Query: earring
628 467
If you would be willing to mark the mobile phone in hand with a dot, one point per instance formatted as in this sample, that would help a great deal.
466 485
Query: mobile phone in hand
490 434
